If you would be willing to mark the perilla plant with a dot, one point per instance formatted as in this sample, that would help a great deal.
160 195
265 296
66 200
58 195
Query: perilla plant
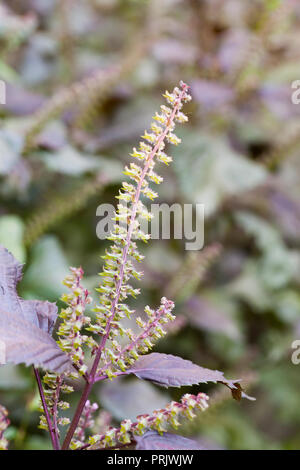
101 348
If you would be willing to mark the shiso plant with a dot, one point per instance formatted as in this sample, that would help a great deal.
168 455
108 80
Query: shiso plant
100 347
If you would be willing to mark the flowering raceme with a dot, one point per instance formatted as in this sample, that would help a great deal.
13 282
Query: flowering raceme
119 268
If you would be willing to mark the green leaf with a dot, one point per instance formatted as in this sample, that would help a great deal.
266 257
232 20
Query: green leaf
217 170
70 162
278 264
48 267
10 146
11 236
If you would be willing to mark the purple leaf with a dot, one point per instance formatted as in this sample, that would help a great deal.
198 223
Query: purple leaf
40 313
21 102
172 371
116 397
10 275
26 343
286 211
152 440
26 325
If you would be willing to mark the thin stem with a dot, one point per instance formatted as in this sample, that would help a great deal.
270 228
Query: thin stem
104 376
53 436
120 446
84 376
55 409
78 413
101 373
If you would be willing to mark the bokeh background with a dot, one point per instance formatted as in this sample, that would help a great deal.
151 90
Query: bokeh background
83 79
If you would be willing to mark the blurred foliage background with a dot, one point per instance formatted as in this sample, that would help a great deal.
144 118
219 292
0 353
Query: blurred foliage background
83 79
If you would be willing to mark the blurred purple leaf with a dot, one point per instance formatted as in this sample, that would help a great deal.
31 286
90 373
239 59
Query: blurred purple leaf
172 51
53 137
208 444
42 313
206 316
152 440
10 275
20 175
297 329
116 397
286 211
234 49
277 97
22 102
39 56
44 8
173 371
211 94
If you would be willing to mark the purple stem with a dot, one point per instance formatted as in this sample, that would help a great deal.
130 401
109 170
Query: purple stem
54 438
78 413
